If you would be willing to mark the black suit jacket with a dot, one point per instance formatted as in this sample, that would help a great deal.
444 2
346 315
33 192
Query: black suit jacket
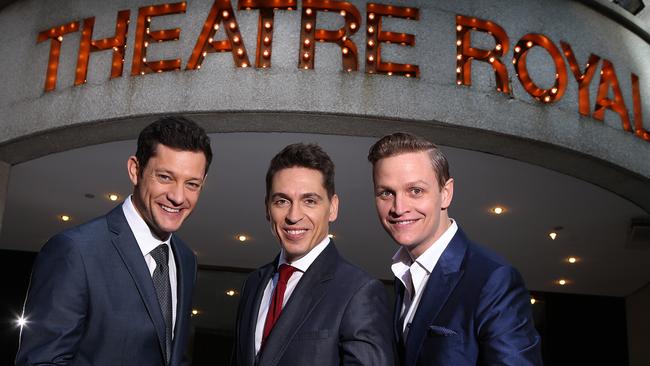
91 300
475 310
337 315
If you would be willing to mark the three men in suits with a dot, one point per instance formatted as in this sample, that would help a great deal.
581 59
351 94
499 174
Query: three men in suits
118 289
309 306
457 303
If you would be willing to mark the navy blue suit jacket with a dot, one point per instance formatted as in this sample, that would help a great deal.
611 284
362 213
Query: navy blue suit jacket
475 310
336 315
91 300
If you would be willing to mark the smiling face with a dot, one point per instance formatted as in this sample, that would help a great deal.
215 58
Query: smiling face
299 210
410 203
167 189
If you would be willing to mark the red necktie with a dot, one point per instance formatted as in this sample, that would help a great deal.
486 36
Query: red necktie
278 297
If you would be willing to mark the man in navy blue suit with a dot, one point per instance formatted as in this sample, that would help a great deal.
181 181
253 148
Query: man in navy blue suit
309 306
118 289
457 303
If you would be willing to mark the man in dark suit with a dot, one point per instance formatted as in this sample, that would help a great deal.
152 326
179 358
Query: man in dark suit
457 303
118 289
309 306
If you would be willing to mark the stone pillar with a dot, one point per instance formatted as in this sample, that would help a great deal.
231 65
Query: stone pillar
4 186
638 326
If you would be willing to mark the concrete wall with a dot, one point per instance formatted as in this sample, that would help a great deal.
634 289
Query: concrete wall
4 184
638 326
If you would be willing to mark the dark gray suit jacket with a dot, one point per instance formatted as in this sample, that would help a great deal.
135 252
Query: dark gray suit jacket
337 315
91 300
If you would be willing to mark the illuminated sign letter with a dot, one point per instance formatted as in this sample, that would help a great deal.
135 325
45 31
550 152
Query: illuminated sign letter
87 45
465 53
609 80
521 50
220 13
638 118
56 36
309 33
144 35
376 36
265 26
583 79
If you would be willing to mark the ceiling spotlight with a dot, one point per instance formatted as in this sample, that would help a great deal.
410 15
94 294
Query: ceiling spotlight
552 235
64 218
242 237
331 236
562 282
195 312
572 260
21 321
533 301
231 292
113 196
498 210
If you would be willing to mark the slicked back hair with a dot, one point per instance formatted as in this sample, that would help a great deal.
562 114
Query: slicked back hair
301 155
174 132
401 143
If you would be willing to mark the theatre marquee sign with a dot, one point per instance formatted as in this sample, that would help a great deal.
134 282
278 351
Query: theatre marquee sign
221 33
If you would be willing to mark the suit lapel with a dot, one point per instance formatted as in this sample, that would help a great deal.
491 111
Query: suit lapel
441 283
307 294
184 285
251 310
127 247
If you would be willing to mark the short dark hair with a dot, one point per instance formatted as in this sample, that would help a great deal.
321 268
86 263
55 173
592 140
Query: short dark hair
401 143
174 132
309 156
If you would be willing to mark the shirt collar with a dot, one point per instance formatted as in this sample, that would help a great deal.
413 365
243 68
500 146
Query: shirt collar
143 235
303 263
402 260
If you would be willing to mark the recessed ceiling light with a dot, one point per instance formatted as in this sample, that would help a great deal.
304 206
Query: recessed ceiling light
195 312
572 260
552 235
497 210
231 292
64 218
21 321
331 236
562 282
242 237
113 196
533 301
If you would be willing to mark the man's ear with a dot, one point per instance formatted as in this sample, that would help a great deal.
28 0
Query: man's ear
334 208
447 193
133 169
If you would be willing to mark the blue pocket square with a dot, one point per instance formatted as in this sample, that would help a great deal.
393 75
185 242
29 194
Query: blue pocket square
441 331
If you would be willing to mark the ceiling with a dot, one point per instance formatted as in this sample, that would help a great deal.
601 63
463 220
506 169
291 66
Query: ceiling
594 222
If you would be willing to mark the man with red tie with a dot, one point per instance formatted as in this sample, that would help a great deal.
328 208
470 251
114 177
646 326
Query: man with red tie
309 306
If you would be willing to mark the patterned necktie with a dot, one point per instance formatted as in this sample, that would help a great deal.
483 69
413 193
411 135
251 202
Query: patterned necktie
278 298
163 291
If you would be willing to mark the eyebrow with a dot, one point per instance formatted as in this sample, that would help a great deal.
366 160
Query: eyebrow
302 196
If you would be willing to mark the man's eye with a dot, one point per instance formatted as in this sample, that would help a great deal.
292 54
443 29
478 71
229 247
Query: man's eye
281 202
164 177
310 202
194 186
383 194
417 191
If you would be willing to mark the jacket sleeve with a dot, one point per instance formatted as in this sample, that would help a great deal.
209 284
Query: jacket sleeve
56 306
506 331
366 328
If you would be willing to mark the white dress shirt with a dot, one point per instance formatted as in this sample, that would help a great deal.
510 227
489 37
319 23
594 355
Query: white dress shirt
414 273
302 265
148 242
